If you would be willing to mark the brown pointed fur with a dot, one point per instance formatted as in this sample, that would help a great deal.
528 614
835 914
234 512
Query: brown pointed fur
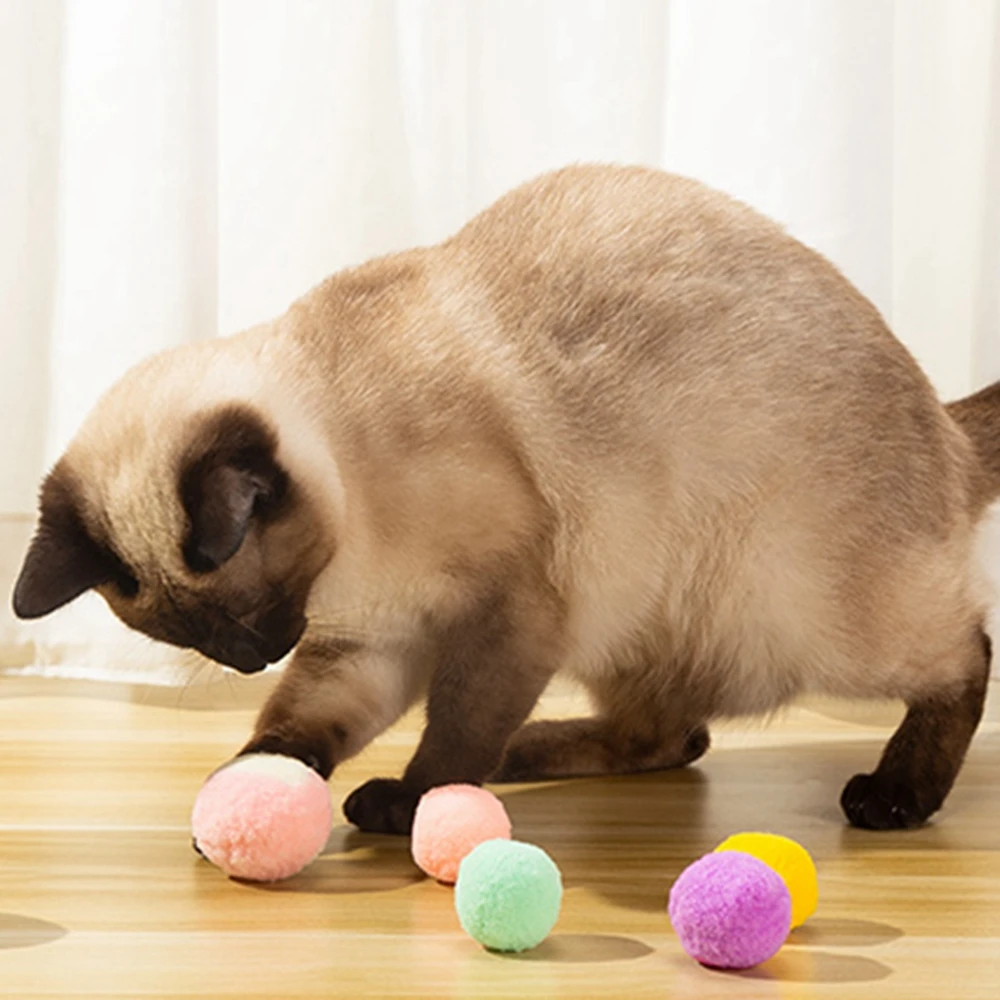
620 426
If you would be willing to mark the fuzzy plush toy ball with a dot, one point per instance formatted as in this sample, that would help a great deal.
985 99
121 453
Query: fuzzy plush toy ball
508 895
790 860
730 910
262 818
449 822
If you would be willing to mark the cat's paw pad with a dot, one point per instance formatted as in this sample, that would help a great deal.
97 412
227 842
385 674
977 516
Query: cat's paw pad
382 805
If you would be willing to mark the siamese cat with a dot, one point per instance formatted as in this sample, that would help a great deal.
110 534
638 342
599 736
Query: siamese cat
619 426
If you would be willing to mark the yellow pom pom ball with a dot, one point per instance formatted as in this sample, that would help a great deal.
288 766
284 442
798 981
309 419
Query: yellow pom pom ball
790 860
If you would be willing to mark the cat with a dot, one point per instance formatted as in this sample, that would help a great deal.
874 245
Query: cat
619 426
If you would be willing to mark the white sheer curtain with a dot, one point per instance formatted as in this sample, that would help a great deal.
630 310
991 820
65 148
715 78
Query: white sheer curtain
176 168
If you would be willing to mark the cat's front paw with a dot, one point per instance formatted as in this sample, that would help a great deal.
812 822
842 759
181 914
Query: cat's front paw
382 805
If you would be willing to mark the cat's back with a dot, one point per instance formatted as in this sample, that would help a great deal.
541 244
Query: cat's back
647 306
632 253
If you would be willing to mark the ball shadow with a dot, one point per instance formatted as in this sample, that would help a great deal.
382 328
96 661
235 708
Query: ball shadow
17 931
843 933
792 966
354 862
583 949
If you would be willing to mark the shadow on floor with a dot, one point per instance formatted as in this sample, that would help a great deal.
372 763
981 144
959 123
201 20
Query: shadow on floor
627 838
354 862
27 932
791 966
788 966
843 933
584 948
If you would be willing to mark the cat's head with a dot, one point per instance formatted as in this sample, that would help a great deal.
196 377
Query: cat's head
185 504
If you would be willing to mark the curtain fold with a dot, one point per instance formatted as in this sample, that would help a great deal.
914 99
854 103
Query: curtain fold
175 169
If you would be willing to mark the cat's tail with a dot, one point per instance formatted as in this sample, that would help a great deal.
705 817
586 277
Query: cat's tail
979 416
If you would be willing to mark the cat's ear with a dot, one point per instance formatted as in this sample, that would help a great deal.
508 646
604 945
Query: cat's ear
63 560
229 479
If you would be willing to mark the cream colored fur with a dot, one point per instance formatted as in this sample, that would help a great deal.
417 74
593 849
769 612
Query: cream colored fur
724 466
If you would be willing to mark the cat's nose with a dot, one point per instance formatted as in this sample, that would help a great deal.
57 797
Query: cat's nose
238 654
245 658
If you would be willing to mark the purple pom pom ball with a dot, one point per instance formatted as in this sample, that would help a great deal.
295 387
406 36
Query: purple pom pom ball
730 910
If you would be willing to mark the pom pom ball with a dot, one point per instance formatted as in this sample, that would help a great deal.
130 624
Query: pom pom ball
262 818
790 860
508 895
449 822
730 910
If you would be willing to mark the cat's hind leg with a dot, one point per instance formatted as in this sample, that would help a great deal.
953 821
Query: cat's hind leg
923 758
644 721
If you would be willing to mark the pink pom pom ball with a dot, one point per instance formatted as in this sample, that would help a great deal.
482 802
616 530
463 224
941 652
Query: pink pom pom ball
449 822
262 818
730 910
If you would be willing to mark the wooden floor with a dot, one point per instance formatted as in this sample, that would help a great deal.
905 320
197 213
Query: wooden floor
102 896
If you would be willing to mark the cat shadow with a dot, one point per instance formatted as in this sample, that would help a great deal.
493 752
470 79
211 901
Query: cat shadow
17 931
620 837
626 838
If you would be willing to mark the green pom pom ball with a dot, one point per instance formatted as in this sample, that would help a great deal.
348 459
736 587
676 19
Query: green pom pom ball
508 895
